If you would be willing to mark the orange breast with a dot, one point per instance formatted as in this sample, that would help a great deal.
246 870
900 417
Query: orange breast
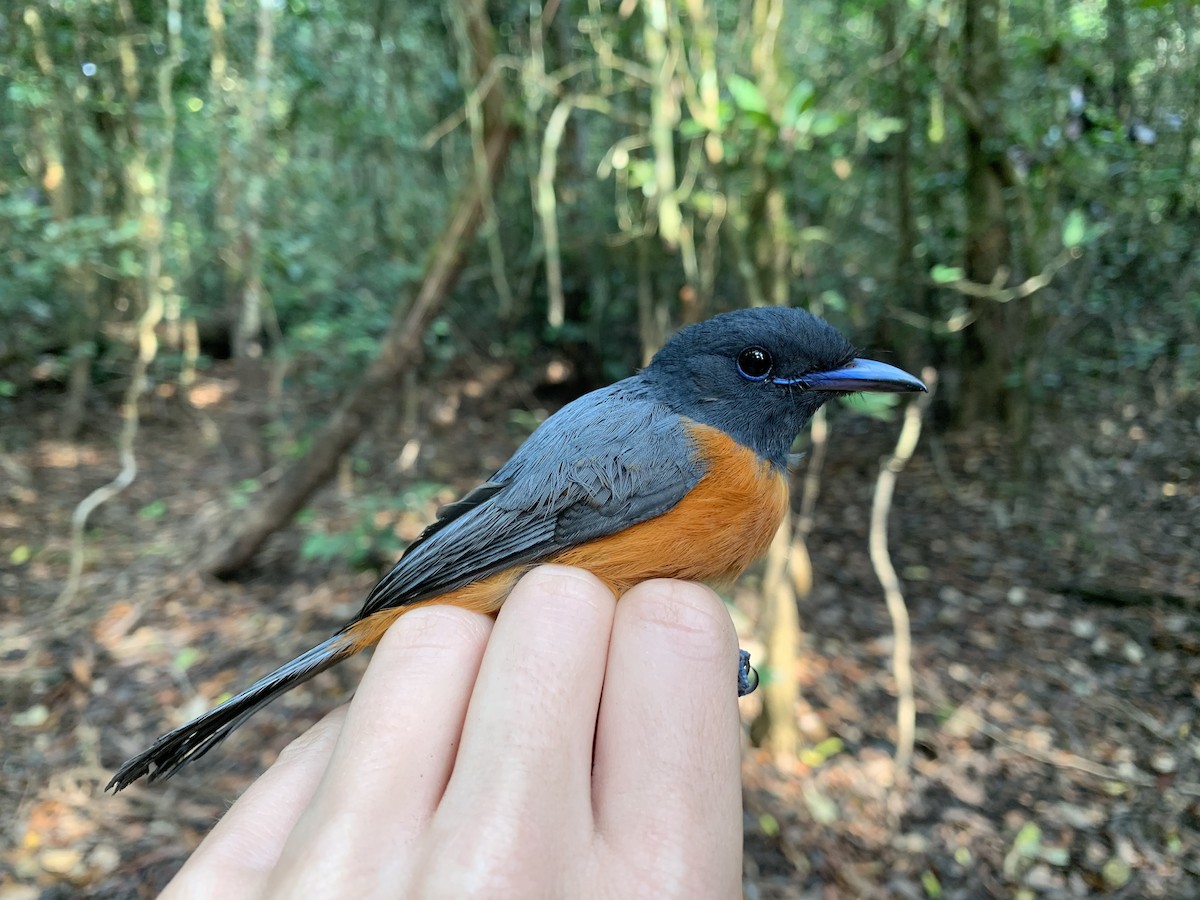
723 524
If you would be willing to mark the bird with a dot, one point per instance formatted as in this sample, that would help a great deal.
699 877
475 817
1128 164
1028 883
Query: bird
678 471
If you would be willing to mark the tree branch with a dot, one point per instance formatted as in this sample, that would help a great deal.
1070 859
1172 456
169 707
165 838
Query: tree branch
886 573
401 348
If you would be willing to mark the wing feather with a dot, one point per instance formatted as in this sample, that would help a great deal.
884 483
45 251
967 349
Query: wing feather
602 463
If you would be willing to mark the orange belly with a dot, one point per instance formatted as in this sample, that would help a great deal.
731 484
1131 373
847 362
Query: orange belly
723 524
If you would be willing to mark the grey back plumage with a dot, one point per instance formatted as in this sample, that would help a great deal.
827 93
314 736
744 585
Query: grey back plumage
611 459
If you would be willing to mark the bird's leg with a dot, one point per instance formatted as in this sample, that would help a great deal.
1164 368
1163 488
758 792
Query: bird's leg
747 676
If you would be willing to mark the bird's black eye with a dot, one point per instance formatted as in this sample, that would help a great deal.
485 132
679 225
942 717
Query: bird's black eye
754 363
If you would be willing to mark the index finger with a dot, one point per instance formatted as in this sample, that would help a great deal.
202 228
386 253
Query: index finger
237 856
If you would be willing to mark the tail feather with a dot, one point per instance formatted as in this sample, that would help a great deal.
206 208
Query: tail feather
177 748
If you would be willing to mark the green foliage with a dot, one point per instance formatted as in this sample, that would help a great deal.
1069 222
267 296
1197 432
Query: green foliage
875 406
1028 847
946 274
242 493
782 148
821 752
371 541
185 659
931 884
747 96
350 197
154 510
1074 229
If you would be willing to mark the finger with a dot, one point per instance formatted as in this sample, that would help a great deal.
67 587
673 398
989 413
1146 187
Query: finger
522 783
667 775
236 858
392 759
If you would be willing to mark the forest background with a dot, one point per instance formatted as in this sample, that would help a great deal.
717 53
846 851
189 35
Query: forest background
278 278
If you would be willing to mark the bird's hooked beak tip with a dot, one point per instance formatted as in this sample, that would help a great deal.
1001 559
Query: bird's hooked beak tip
863 375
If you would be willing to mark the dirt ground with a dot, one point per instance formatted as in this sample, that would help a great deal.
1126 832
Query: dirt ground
1056 645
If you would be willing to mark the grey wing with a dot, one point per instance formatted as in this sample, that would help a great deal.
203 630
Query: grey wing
605 462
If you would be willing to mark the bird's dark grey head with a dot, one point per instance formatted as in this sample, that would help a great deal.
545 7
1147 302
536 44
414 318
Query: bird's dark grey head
760 374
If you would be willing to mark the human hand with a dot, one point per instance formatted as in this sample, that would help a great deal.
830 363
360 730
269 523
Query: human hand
576 747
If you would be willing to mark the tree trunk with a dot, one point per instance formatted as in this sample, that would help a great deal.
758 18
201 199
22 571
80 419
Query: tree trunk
247 333
148 174
1116 40
987 344
910 286
225 188
55 133
78 387
399 352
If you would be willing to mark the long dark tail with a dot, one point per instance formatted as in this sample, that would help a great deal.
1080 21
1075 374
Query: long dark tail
177 748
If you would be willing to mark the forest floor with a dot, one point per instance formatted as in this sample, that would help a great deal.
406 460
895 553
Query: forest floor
1056 645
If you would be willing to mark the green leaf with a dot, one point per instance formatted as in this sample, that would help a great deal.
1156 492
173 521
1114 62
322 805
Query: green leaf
152 511
831 746
816 233
799 99
877 406
1074 229
34 717
946 274
822 752
128 264
933 887
703 202
833 300
641 172
878 130
1056 856
825 123
823 810
1116 873
326 546
768 824
185 658
746 95
240 496
1028 840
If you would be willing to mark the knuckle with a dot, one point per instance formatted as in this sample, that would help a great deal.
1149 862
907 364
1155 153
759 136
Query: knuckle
690 619
489 864
318 740
556 608
664 866
577 586
435 629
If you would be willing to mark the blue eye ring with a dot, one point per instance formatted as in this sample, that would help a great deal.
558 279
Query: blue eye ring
755 364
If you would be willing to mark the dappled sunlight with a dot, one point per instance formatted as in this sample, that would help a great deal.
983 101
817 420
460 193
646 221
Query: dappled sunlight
210 392
66 455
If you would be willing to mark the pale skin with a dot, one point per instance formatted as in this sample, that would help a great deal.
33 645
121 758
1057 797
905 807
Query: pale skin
574 747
